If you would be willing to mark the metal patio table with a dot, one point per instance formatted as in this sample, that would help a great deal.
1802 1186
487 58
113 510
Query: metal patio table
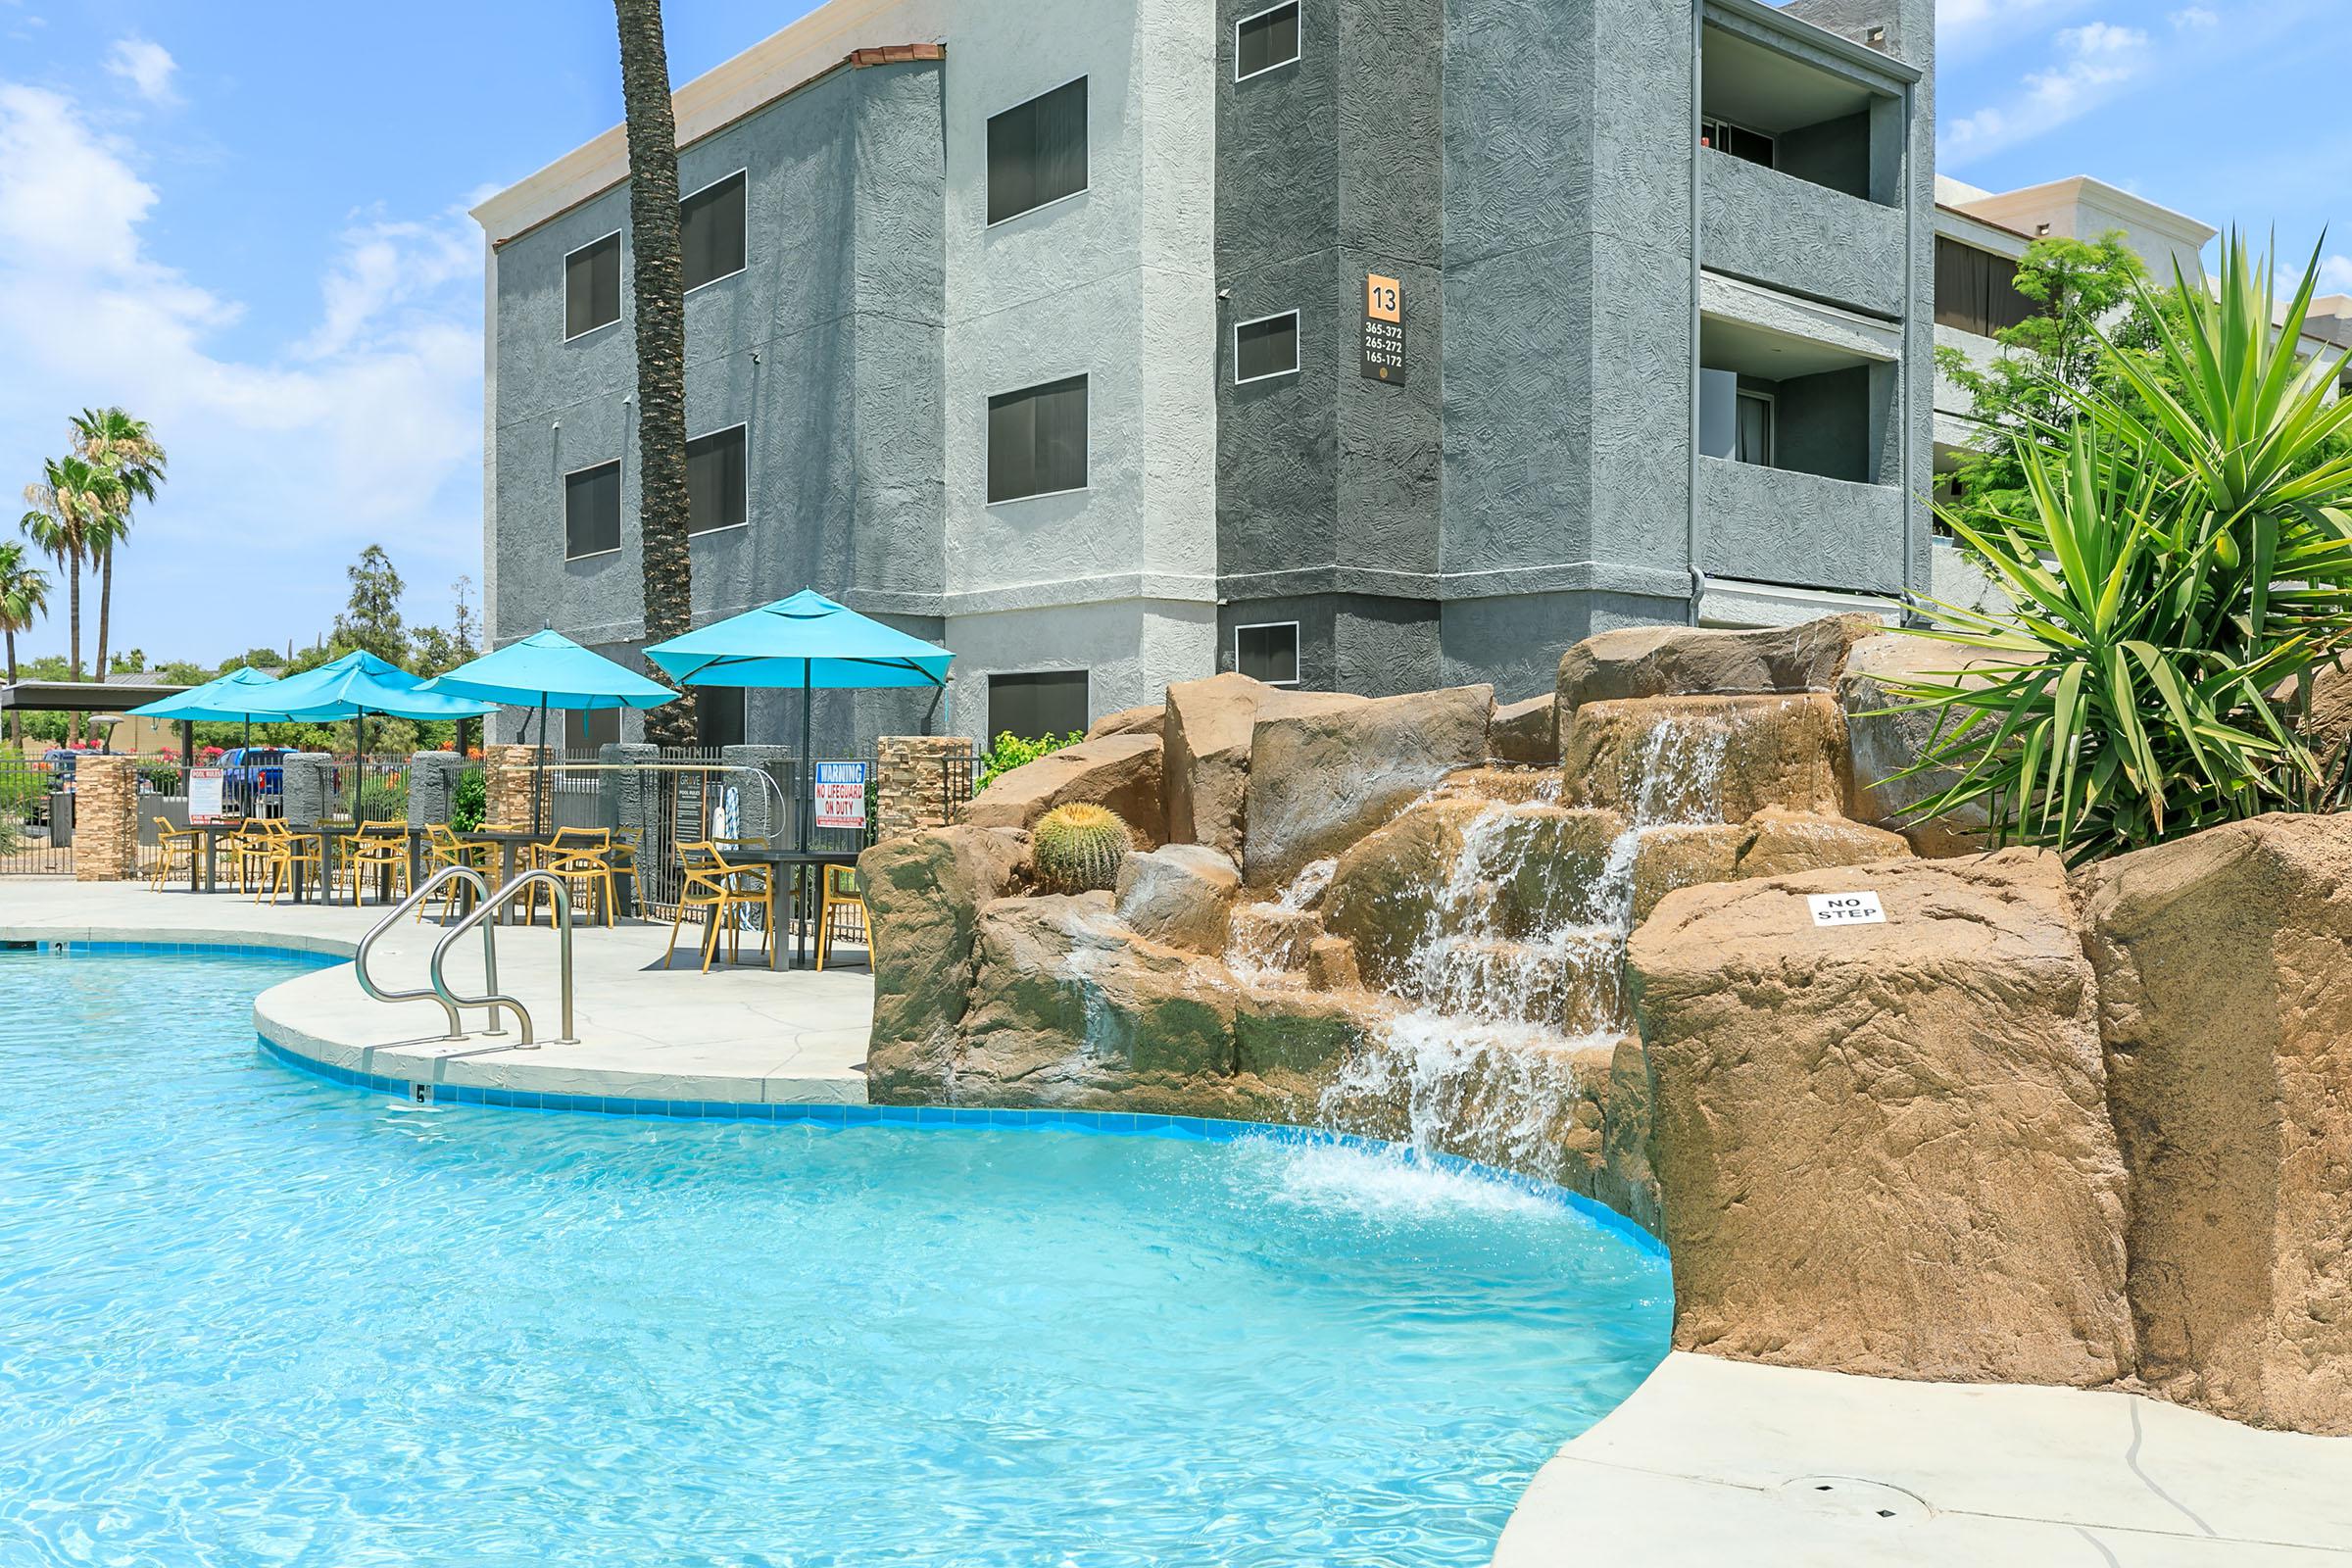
803 901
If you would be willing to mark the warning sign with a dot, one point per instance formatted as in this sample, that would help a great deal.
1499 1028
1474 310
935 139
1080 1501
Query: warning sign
841 794
1384 328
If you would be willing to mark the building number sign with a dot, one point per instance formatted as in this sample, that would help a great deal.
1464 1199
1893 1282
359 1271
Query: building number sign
1384 329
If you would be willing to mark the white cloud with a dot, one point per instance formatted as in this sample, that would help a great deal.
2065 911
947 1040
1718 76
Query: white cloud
2336 276
2196 19
146 65
284 461
2094 62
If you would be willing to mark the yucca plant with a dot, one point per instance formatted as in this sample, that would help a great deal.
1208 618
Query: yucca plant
2176 566
1078 848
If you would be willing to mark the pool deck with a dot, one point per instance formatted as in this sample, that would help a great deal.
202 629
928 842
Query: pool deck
1715 1461
735 1034
1709 1461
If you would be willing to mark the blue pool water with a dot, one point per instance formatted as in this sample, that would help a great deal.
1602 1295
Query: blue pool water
249 1317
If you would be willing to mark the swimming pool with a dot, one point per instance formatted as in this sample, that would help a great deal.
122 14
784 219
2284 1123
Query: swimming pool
250 1317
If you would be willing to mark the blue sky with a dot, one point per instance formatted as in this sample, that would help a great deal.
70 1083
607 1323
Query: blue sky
247 224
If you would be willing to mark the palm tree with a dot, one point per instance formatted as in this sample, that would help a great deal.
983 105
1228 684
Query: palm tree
112 439
658 283
69 501
24 600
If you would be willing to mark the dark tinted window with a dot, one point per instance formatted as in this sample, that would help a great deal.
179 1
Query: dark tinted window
1266 348
585 730
1267 653
715 495
1037 440
1737 141
710 231
592 511
1266 41
1046 702
592 286
1976 290
718 717
1037 152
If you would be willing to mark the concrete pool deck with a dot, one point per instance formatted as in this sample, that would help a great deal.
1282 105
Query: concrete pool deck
1709 1461
735 1034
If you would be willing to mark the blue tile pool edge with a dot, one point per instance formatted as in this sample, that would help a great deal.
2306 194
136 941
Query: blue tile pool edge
78 948
1114 1124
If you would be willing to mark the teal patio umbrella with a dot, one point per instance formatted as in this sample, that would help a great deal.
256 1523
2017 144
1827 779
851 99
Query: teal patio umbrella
548 669
352 687
805 641
231 696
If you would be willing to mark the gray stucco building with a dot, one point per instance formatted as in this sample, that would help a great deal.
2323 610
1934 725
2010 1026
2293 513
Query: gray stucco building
1366 343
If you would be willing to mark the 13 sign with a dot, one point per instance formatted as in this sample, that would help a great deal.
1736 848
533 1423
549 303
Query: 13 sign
1384 329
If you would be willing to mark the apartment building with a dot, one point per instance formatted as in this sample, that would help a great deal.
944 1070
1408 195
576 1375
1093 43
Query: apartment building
1368 344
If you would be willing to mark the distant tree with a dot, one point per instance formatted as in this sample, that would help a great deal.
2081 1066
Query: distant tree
658 284
439 648
129 662
24 600
181 672
371 621
258 659
69 502
126 446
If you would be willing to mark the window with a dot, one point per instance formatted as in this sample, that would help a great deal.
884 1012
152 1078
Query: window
584 730
715 493
1037 152
1976 291
1268 652
1266 40
1758 415
1266 347
1037 440
710 231
717 716
1737 141
1046 702
592 511
592 286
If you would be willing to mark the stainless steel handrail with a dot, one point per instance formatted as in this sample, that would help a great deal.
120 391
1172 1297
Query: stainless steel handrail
359 961
489 907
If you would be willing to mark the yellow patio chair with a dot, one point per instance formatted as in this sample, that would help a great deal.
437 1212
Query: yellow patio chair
843 899
287 851
176 846
577 856
379 847
720 889
444 848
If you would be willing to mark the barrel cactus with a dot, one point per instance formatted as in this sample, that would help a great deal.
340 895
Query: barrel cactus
1077 848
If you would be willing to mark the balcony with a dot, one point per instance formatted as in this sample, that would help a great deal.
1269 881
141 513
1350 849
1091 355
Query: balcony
1775 228
1781 526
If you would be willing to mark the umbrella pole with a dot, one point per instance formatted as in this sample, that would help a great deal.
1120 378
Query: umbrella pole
807 764
358 761
539 778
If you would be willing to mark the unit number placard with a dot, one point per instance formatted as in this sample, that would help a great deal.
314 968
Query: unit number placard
1846 909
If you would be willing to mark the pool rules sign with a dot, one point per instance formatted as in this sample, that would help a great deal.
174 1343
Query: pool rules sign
1384 329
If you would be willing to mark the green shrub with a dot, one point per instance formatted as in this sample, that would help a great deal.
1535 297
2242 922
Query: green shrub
384 800
1078 848
469 801
1010 751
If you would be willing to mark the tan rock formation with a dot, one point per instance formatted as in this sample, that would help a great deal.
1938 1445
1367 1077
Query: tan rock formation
1320 781
1180 895
1512 785
1882 744
1144 720
1707 758
1331 965
1684 856
1208 728
1386 885
1642 661
923 893
1118 771
1526 733
1886 1148
1772 843
2226 1006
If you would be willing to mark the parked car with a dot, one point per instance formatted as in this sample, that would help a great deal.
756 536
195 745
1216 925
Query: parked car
60 761
247 770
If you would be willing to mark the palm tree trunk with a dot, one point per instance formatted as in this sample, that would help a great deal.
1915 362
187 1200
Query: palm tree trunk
106 601
659 285
15 715
74 638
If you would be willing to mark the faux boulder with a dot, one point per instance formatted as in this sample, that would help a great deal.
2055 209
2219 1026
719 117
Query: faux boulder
1209 727
1772 843
1707 758
923 893
1884 741
1526 733
1639 661
1884 1149
1120 772
1144 720
2227 1017
1320 781
1180 895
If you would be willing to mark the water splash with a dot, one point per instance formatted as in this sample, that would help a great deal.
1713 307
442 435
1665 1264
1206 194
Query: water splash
1267 943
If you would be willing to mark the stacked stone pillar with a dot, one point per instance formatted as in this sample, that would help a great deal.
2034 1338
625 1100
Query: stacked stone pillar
916 783
106 819
506 774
